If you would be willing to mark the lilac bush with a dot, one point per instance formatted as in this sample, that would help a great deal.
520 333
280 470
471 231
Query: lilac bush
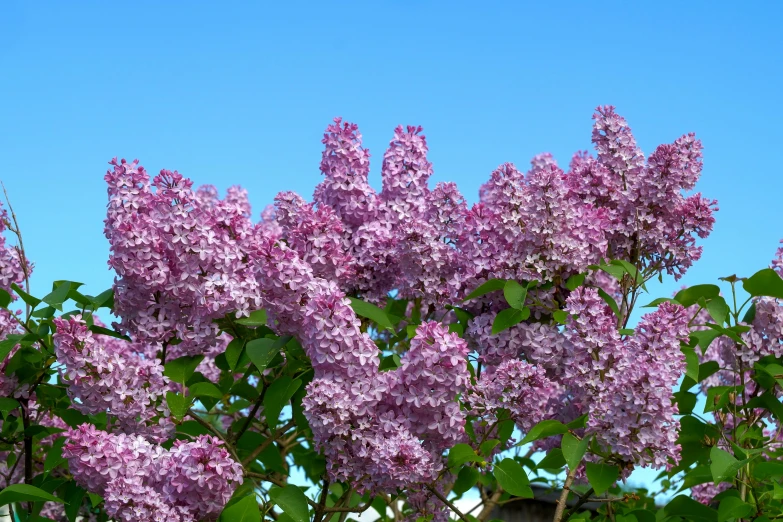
399 348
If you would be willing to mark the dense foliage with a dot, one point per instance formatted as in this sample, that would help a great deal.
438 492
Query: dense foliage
394 350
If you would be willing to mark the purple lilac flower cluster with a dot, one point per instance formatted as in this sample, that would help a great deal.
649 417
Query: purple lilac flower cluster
107 375
179 256
626 383
142 481
185 258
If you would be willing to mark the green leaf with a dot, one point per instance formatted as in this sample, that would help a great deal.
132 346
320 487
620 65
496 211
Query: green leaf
560 316
234 352
658 301
27 298
178 404
601 476
705 338
6 404
613 270
277 396
718 397
292 501
708 368
767 470
8 344
487 446
44 313
55 455
371 312
490 286
390 362
180 369
577 423
750 315
723 465
262 351
461 453
733 507
573 449
505 430
73 500
543 429
642 515
515 294
457 328
95 499
25 493
205 389
58 295
105 331
773 405
691 363
513 478
765 282
696 476
777 491
244 510
5 298
686 401
689 296
610 301
718 309
731 333
554 460
509 317
104 300
256 318
575 281
466 479
629 269
689 509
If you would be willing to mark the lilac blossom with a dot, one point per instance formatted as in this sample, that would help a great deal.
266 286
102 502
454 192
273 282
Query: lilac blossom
141 481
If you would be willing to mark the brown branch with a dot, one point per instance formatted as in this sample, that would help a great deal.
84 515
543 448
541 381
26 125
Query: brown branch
266 478
579 503
264 445
252 414
28 450
490 504
319 512
448 503
561 502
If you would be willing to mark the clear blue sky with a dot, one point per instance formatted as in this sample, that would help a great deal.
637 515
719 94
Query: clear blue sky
241 94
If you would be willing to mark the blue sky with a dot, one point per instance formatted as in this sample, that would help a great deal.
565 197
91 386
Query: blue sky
240 93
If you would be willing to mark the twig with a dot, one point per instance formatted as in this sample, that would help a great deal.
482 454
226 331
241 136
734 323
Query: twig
490 504
582 500
313 504
251 415
448 503
319 512
561 502
264 445
28 450
20 250
215 432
